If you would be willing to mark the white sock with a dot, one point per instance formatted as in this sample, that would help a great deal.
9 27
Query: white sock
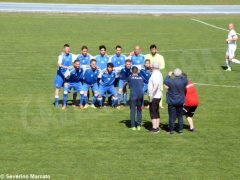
228 63
236 61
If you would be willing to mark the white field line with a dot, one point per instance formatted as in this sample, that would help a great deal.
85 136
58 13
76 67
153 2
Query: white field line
216 85
211 25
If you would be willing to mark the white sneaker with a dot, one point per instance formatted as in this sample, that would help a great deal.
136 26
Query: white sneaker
86 106
228 69
92 106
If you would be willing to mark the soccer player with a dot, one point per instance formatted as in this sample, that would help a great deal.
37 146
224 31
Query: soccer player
118 60
102 59
73 80
123 77
137 58
107 85
90 80
155 56
232 46
65 61
146 74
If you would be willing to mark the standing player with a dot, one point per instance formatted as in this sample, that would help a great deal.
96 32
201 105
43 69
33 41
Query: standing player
90 78
146 74
137 58
232 46
118 60
65 61
102 59
107 85
123 77
73 80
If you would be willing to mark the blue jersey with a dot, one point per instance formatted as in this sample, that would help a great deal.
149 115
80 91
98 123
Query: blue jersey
75 75
102 61
90 76
118 60
67 60
136 86
138 60
125 73
108 78
84 60
145 74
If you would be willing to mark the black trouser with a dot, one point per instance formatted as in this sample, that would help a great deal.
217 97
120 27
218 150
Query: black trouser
136 103
175 111
154 108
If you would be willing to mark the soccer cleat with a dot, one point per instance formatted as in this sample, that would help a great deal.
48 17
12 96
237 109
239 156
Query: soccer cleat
64 107
192 130
81 107
154 131
86 106
74 105
92 106
134 128
138 128
118 107
170 132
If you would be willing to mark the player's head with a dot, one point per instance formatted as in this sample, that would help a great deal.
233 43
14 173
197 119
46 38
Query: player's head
137 50
110 67
76 64
147 63
134 70
153 49
84 50
118 49
230 26
66 48
93 63
128 63
102 50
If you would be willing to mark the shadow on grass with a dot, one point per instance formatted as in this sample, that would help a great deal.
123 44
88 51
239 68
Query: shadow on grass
224 67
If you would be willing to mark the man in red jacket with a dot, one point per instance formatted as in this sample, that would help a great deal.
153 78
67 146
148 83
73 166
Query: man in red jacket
191 103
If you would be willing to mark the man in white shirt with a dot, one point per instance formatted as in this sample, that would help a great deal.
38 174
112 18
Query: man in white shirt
155 86
232 46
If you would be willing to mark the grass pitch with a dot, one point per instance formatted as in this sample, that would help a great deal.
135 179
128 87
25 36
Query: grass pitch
97 144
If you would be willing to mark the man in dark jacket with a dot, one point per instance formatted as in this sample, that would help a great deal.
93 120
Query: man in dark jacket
136 97
176 84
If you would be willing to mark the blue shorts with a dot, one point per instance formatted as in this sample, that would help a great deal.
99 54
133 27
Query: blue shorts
86 86
121 84
59 80
76 86
145 88
109 89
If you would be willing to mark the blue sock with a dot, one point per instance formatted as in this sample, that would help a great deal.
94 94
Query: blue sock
65 97
86 100
81 99
100 101
114 101
119 98
56 100
94 99
125 98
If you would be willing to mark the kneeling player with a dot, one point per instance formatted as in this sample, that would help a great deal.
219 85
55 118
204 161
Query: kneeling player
123 77
90 80
73 80
106 85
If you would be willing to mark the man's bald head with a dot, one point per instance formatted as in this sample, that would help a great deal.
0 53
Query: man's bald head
137 50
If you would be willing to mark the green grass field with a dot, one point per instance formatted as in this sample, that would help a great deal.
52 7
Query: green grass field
37 138
217 2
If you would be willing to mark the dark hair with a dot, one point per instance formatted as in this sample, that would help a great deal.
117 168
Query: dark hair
110 65
66 45
147 60
76 61
153 46
134 69
92 60
84 47
118 46
128 60
102 47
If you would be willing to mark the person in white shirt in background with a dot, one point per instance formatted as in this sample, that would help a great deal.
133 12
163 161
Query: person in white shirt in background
155 86
232 46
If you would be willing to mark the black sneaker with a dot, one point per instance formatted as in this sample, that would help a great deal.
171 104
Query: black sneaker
171 132
192 130
180 132
154 131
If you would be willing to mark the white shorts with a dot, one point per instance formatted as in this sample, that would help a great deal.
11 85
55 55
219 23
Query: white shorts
231 51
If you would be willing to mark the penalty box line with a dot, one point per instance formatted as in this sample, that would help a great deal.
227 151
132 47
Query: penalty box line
210 25
216 85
